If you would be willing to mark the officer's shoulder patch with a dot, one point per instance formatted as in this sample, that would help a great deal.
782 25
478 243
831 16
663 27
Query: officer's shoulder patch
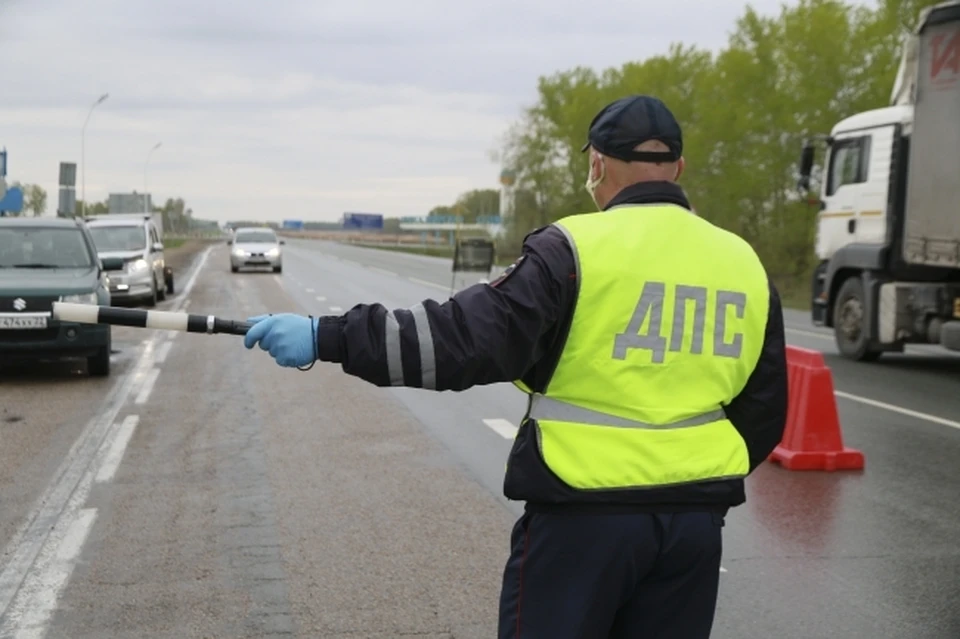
510 270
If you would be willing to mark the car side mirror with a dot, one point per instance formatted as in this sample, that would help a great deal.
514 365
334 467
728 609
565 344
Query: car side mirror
157 247
806 166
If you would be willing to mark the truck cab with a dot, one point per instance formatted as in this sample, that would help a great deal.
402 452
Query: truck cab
888 229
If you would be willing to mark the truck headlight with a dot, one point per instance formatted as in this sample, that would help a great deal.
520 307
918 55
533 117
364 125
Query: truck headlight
85 298
137 266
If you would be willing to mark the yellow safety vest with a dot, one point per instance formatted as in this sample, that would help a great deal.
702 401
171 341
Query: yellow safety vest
668 325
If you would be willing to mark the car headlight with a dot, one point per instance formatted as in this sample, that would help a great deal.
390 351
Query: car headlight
273 252
137 265
239 252
85 298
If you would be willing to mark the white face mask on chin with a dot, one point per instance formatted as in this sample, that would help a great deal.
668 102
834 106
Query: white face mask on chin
592 184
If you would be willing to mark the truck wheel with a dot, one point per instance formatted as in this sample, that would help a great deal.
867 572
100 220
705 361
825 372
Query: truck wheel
950 335
99 364
849 323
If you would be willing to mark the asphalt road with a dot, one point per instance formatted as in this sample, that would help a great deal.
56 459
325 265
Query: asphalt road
205 492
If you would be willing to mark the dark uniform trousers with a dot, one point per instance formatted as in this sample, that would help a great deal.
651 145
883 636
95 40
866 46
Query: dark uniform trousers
612 576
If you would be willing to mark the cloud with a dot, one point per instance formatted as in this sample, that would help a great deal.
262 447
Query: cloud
307 108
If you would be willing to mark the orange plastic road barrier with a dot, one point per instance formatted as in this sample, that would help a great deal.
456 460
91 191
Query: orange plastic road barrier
812 439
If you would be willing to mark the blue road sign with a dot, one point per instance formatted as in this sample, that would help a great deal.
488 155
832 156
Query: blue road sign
365 221
12 202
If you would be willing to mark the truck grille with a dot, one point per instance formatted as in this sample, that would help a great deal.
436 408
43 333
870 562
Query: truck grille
30 303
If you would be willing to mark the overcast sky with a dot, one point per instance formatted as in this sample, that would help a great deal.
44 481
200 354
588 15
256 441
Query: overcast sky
303 108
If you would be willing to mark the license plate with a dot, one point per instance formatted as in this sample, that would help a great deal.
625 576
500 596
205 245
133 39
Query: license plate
21 322
956 307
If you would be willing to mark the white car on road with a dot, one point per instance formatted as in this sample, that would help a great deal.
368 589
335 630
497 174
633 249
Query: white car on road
256 247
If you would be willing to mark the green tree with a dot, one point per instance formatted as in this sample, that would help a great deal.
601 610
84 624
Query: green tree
477 202
35 199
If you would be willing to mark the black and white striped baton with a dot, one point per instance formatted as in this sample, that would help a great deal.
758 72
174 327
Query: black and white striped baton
163 320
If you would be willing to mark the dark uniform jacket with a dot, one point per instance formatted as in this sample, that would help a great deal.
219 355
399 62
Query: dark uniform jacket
514 329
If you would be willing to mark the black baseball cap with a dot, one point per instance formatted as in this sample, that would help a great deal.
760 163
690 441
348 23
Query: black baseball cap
622 125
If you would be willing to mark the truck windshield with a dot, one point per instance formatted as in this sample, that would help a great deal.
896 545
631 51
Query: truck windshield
118 238
38 247
259 237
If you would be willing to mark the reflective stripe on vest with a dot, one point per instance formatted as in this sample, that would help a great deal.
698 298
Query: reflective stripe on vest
543 407
669 323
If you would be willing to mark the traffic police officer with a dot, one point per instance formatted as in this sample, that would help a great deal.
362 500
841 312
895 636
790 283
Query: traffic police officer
651 345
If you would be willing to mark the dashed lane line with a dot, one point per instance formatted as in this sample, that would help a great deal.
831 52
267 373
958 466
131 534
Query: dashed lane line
111 462
40 555
146 388
36 616
428 283
502 427
163 351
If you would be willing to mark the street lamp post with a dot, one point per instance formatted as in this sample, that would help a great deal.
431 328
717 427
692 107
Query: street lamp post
146 209
83 155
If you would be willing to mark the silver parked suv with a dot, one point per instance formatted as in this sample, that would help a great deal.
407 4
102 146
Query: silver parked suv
135 240
256 247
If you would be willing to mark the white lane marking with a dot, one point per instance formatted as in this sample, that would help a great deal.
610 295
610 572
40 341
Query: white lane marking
185 293
893 408
42 590
426 283
502 427
147 387
114 456
798 331
54 508
278 280
382 270
321 299
335 309
163 351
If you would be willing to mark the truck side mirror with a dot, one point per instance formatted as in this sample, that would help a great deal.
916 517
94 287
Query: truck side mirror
806 166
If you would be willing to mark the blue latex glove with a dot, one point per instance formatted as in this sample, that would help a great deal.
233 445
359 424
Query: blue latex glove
289 338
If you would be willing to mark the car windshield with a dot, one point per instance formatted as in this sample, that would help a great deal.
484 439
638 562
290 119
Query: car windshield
38 247
118 238
258 237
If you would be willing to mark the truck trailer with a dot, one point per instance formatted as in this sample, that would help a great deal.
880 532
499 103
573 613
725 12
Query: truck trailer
888 229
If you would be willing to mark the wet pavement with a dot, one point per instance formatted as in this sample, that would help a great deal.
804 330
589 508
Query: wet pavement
225 497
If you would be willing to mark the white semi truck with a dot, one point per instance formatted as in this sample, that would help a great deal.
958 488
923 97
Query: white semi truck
888 230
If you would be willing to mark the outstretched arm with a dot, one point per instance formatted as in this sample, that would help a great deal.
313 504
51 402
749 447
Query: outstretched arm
485 334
